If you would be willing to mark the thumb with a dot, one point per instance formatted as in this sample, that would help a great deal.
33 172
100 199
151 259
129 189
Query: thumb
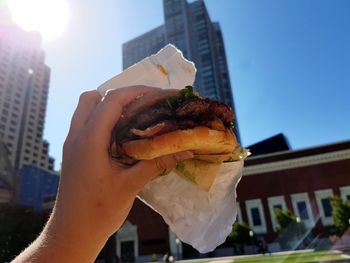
146 170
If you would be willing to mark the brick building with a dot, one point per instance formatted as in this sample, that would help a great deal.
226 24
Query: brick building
298 180
301 181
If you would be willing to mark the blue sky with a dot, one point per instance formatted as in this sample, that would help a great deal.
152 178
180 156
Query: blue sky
289 63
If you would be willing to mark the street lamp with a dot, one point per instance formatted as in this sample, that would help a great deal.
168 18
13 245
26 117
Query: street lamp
177 241
297 219
251 235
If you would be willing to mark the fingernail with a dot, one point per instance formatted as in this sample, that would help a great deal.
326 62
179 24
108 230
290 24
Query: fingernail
181 156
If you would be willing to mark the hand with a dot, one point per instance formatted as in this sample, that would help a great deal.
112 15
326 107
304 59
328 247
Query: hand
95 193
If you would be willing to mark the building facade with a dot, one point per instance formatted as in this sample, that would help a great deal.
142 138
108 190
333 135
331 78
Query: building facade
300 181
37 187
189 27
7 178
24 84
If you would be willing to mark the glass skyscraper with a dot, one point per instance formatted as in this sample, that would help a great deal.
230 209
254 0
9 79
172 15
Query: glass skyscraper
189 27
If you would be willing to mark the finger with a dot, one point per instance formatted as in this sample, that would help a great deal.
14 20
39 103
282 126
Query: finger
87 103
110 109
144 171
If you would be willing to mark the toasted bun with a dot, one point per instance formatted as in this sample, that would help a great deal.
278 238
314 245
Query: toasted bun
199 140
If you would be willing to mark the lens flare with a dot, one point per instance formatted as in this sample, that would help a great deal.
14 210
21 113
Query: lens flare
49 17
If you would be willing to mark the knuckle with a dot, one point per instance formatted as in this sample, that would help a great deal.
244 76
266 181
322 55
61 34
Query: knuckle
89 95
110 94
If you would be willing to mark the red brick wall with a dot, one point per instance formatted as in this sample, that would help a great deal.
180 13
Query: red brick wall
303 179
151 229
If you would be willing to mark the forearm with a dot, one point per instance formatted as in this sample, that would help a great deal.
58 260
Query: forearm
54 245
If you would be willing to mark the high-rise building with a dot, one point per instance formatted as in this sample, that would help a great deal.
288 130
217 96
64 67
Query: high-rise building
189 27
24 84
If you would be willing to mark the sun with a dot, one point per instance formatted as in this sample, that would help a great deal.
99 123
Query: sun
49 17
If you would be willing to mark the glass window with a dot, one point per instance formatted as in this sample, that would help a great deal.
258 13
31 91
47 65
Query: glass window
256 216
327 208
348 197
302 210
277 207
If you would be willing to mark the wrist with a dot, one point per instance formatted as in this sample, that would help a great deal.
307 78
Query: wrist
73 241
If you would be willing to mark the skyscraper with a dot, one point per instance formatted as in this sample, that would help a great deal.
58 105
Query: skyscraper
24 84
189 27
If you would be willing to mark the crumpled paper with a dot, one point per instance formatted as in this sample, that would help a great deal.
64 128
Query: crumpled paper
200 218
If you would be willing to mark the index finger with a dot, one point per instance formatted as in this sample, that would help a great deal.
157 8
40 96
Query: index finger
109 110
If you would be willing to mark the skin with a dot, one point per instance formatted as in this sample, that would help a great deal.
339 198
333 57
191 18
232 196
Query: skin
95 194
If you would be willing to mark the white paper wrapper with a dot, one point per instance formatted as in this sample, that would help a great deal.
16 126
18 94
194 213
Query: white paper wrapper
199 218
202 219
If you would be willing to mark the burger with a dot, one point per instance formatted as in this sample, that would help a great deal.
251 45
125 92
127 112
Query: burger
163 122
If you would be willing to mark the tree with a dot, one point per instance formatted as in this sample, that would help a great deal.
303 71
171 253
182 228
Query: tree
289 227
340 214
240 236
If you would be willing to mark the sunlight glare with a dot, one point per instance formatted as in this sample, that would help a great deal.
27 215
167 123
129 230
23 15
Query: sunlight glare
49 17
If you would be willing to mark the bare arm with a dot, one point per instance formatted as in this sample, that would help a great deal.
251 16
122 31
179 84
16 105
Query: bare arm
95 194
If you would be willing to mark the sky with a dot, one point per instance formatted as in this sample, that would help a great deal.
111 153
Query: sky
289 63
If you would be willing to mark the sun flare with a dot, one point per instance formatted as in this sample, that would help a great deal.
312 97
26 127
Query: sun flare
49 17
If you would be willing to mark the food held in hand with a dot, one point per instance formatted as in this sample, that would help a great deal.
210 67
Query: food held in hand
167 121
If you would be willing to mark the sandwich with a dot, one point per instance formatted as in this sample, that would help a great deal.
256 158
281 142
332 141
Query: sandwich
164 121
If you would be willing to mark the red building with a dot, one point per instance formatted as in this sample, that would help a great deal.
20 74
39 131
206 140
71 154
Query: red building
301 181
298 180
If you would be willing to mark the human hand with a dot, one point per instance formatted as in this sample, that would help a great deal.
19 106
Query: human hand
95 193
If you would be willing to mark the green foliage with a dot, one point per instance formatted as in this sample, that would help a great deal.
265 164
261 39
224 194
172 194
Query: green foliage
19 226
240 233
185 94
340 214
154 258
288 227
284 219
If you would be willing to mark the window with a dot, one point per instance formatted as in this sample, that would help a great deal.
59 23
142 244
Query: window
277 207
345 192
302 210
327 208
324 206
256 216
276 202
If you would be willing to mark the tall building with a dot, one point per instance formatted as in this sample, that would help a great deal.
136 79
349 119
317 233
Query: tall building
24 84
189 27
